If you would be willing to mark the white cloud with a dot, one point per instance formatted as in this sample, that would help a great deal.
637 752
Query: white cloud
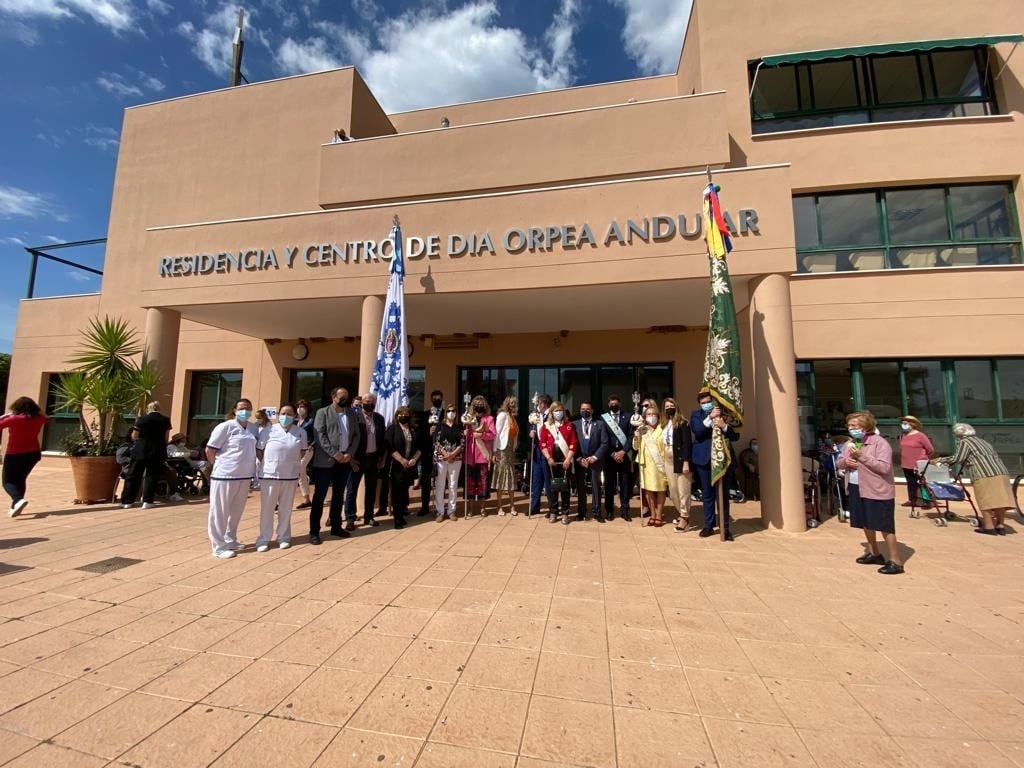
80 277
14 241
101 137
20 202
159 7
653 34
116 84
435 56
116 15
211 42
366 9
54 239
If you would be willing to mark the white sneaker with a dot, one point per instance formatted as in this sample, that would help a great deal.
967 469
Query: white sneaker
224 554
234 546
147 505
262 547
17 507
177 497
284 545
127 506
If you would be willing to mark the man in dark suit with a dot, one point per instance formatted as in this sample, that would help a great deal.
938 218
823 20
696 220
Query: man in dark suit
336 427
707 418
618 469
593 437
540 472
369 462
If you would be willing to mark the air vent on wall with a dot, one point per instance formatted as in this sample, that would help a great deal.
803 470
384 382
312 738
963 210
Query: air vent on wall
456 342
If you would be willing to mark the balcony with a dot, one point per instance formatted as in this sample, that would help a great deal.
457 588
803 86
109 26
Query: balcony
603 142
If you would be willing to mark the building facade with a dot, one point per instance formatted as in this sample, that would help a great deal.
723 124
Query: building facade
870 160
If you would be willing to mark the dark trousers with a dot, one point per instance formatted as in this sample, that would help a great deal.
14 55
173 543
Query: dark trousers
336 479
368 471
709 496
559 500
617 476
911 476
400 482
594 473
540 481
17 467
426 476
149 465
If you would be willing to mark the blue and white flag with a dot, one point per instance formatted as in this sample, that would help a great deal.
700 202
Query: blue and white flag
390 380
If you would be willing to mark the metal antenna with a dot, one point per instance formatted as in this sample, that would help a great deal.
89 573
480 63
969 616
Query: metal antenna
237 46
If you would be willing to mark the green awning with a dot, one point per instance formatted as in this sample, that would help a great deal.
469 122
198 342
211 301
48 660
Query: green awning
868 50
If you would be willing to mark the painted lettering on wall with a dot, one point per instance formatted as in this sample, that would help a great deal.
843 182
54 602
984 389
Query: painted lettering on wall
513 241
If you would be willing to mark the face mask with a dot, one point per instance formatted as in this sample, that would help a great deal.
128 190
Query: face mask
652 420
706 407
857 434
586 414
437 402
303 412
613 407
905 426
479 409
243 414
368 407
285 420
403 419
670 412
451 415
342 402
558 415
755 448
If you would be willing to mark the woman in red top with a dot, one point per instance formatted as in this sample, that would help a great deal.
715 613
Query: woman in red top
559 444
914 446
24 421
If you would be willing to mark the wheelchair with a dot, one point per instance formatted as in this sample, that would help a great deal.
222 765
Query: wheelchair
188 481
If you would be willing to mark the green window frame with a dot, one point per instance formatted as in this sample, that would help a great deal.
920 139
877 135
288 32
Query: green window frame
61 423
961 245
868 79
226 389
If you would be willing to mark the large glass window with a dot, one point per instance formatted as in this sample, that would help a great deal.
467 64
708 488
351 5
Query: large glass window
867 89
213 394
918 227
62 423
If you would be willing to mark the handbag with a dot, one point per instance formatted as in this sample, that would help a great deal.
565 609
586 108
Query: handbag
559 484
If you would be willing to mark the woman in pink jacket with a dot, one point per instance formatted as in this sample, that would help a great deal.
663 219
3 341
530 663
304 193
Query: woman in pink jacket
867 459
480 433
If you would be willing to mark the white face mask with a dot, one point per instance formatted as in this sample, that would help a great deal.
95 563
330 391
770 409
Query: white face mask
558 415
652 420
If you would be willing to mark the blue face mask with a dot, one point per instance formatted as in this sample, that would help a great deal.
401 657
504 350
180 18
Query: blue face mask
243 414
857 434
285 420
706 407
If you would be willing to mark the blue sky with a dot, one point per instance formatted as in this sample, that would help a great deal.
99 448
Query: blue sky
70 67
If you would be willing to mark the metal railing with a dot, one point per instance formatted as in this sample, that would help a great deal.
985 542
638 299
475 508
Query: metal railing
40 252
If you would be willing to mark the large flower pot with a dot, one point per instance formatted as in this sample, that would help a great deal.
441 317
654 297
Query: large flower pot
95 478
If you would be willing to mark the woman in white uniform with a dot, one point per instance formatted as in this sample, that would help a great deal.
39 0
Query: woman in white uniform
280 449
231 450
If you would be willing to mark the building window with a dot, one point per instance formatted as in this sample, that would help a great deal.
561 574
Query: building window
917 227
213 395
871 89
315 385
62 423
986 393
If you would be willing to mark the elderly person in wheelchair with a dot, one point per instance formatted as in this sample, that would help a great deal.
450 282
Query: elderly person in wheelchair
193 472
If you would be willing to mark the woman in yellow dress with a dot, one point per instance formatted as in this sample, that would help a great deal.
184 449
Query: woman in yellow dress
649 444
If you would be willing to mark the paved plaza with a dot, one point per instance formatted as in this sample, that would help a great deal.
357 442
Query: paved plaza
501 643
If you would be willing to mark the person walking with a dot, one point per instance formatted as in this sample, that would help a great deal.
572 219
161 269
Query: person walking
280 449
231 450
478 452
678 452
401 443
23 423
149 454
503 480
914 447
649 445
449 445
990 480
867 459
337 434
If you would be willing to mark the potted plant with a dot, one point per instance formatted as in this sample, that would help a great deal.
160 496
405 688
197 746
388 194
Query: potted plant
106 383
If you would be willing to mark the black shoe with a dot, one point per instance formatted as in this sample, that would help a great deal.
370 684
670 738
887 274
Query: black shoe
1001 531
341 533
706 532
399 525
871 560
565 519
891 568
371 523
600 519
350 525
304 505
728 536
421 513
986 531
627 517
314 539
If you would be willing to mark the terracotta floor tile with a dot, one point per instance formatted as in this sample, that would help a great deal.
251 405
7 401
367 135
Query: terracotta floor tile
405 622
120 726
861 667
327 696
841 749
787 660
487 581
573 732
440 577
483 718
910 712
513 632
717 652
636 615
259 687
42 646
202 633
52 712
84 658
429 659
255 639
940 753
695 621
369 652
511 669
195 738
153 626
52 756
645 739
573 610
297 610
139 667
456 627
524 606
363 749
14 744
821 706
574 677
436 755
197 677
1014 750
744 745
650 686
425 598
937 671
539 585
993 714
734 696
26 684
646 645
402 707
66 612
248 607
278 743
372 593
577 637
471 601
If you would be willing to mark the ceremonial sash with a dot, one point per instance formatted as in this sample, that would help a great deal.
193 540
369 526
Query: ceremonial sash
559 440
615 428
653 452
